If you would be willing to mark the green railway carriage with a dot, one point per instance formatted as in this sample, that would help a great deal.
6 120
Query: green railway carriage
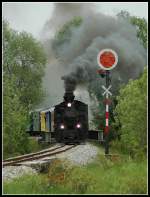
35 120
42 124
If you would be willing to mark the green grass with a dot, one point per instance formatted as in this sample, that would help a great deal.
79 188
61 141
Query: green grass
125 177
103 176
32 184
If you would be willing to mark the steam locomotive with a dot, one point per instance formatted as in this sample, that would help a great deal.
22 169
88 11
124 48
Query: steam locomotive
71 120
66 122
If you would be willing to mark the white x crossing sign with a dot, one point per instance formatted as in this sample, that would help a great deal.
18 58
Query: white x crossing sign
106 90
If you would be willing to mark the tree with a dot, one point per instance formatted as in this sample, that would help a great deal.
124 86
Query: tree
131 116
23 69
24 58
63 35
139 23
65 31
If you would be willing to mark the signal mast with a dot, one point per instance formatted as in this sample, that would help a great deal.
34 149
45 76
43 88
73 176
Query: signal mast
107 59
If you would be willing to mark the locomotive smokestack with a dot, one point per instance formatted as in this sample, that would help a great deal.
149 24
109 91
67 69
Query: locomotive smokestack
69 97
70 85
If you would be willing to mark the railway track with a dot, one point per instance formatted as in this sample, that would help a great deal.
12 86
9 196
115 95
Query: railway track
35 156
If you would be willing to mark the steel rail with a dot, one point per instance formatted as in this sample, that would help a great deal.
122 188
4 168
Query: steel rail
36 157
32 154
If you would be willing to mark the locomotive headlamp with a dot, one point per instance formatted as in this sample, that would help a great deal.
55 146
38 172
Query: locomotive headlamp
62 126
78 126
69 104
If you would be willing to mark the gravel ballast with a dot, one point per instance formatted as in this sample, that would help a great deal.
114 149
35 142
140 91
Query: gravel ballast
79 155
11 172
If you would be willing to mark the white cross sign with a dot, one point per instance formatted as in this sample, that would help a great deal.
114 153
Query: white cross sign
106 90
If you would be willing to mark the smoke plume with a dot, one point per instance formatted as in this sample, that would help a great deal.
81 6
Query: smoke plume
76 58
64 12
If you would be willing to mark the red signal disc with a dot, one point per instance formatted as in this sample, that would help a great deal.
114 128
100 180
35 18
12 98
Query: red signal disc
107 59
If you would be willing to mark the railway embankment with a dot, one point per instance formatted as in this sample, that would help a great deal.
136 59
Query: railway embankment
75 155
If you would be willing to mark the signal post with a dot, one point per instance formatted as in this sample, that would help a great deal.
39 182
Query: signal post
107 59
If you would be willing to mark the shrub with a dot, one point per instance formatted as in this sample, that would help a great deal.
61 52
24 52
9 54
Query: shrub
131 116
58 172
80 180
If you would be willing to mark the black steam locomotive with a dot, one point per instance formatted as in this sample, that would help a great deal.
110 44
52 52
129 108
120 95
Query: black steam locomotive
66 122
71 120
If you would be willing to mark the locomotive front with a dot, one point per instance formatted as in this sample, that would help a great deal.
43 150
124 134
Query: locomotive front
71 120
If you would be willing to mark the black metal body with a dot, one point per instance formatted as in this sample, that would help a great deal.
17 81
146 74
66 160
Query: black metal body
70 117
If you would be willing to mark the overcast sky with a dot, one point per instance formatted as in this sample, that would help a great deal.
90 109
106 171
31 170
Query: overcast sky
31 16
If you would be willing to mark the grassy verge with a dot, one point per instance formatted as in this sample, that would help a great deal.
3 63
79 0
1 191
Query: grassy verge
32 184
118 177
103 176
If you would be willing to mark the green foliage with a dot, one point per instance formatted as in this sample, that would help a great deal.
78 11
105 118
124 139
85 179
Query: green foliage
58 172
131 116
34 146
98 112
80 180
23 69
115 177
95 92
24 58
103 176
65 30
15 120
27 184
64 34
139 23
